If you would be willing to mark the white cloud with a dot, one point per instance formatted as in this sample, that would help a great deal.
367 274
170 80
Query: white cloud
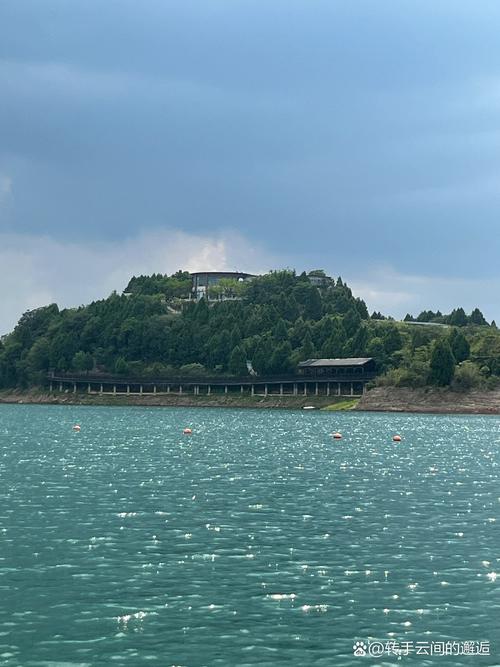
36 271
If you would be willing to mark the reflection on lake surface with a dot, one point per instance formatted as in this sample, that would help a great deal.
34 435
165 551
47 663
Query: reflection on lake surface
257 540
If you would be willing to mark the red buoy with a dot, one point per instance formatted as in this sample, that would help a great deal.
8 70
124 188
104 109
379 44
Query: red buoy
187 431
396 438
337 436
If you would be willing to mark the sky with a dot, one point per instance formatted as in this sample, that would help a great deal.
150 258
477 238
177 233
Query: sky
358 137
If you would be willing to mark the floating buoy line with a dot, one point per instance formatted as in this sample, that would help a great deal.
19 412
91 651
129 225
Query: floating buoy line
189 431
338 436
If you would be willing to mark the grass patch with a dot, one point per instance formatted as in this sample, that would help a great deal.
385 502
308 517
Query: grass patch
349 404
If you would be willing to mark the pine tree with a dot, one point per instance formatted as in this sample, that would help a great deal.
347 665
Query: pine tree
351 322
280 361
477 317
359 342
335 344
307 348
235 336
289 307
313 309
280 332
442 363
458 318
459 345
262 357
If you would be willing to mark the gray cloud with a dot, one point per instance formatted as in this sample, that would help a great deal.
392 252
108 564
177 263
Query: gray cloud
38 270
340 134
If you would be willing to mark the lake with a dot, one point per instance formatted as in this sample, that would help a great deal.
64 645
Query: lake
257 540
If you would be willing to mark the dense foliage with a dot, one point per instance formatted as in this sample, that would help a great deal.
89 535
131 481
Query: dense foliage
268 324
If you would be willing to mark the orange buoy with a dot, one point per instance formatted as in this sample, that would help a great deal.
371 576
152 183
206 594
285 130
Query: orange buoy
187 431
337 436
396 438
76 427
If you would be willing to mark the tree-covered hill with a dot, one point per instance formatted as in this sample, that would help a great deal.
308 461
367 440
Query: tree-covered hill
273 321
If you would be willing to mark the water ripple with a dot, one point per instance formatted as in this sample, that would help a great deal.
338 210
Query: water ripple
258 541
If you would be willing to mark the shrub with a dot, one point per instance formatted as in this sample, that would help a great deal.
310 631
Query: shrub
467 376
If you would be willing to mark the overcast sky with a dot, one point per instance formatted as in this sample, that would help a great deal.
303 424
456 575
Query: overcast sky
359 137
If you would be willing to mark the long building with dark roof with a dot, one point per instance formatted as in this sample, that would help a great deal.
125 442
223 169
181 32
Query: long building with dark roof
355 366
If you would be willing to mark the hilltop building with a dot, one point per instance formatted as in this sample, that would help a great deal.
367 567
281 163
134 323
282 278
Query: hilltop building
318 278
202 281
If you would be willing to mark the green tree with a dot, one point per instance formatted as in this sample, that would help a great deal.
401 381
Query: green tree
307 348
281 360
392 338
202 312
219 349
359 342
334 346
351 322
262 358
375 349
289 308
313 309
442 363
235 336
457 317
39 355
477 317
280 331
361 308
83 361
237 362
459 345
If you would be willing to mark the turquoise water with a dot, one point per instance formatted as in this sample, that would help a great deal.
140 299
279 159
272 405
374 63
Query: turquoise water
257 540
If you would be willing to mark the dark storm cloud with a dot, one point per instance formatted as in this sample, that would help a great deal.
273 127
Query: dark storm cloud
337 134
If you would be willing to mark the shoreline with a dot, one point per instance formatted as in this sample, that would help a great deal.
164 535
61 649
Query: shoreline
379 399
41 397
430 400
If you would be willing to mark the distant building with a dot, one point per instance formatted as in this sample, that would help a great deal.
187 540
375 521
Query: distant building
202 281
358 367
319 278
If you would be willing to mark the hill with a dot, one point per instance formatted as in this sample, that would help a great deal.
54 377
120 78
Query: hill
274 321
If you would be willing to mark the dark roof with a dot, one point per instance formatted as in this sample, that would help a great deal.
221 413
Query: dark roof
222 273
353 361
